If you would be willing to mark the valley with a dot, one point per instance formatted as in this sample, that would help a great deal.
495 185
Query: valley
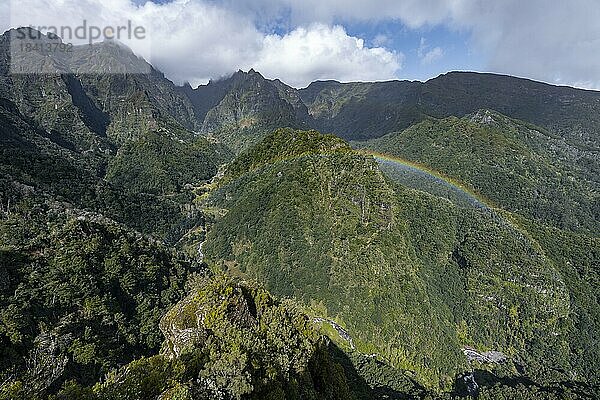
248 240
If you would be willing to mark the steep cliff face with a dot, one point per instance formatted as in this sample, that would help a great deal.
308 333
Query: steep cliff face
252 107
54 101
138 103
241 109
103 90
119 136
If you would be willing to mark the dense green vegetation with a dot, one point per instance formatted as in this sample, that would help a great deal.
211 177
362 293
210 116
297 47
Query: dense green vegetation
228 340
80 295
133 265
361 111
283 144
517 166
577 257
33 166
159 165
411 277
319 222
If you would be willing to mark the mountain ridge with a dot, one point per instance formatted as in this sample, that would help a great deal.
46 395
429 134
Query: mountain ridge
365 110
352 109
275 261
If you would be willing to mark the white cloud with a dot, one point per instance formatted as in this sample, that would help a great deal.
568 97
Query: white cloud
187 39
193 40
554 41
323 52
199 39
381 40
428 56
432 56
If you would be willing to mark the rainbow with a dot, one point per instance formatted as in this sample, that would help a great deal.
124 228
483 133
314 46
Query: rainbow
455 184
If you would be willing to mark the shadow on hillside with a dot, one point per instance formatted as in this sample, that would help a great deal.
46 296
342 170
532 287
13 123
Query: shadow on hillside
486 379
369 378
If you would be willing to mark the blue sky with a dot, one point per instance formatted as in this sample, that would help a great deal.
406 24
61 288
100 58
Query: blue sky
415 44
347 40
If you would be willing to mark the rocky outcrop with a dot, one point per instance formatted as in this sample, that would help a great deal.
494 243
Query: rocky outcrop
246 343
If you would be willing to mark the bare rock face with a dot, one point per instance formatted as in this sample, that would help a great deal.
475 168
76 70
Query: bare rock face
223 311
191 322
483 117
492 356
183 328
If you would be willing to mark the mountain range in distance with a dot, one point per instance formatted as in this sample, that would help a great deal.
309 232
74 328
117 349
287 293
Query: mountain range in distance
247 240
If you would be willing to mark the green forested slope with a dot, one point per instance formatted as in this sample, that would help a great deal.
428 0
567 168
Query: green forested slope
516 165
411 279
378 290
118 144
410 276
362 111
159 165
80 295
35 165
